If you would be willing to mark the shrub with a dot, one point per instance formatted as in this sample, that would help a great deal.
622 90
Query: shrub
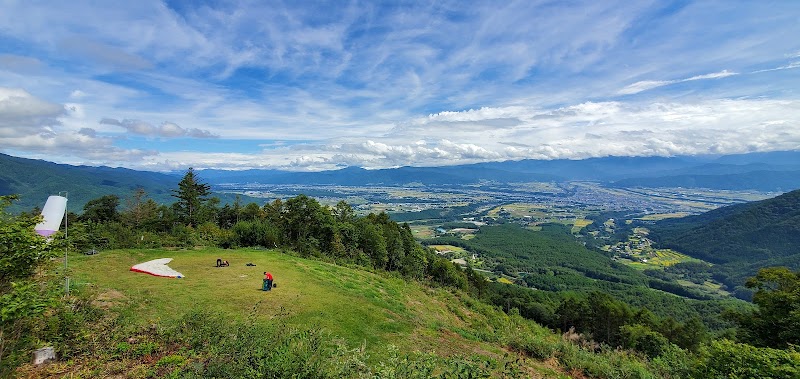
726 359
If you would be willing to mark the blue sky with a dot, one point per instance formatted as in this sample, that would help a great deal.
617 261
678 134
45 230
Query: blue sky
320 85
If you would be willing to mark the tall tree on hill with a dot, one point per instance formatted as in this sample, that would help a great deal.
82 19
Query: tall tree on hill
139 211
308 225
191 194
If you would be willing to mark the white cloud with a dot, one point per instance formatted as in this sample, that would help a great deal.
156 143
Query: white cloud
133 126
650 84
714 75
785 67
644 86
590 129
166 129
21 113
35 126
77 94
169 129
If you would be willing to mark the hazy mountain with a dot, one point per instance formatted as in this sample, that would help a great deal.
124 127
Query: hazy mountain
770 171
777 171
760 180
788 158
600 169
354 176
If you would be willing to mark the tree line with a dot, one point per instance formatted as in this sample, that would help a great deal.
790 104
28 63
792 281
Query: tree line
299 224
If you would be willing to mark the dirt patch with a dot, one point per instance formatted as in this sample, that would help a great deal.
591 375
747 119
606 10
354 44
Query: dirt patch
109 299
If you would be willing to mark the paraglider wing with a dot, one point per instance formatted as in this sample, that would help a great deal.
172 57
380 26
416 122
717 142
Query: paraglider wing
53 213
157 267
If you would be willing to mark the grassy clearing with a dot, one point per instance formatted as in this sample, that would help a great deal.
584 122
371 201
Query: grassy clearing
455 249
707 286
359 306
422 231
657 258
163 330
519 210
663 216
580 224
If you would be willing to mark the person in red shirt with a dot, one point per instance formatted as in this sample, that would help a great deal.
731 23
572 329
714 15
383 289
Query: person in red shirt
267 281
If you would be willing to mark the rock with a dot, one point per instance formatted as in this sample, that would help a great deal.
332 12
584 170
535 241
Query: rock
44 355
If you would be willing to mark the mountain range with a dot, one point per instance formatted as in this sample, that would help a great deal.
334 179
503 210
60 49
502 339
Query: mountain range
34 180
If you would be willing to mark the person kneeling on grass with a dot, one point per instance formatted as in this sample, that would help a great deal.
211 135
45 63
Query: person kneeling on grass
267 281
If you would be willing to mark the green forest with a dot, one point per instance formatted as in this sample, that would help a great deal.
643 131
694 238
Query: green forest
739 240
591 301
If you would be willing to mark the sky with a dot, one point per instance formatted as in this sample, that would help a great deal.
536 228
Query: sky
316 85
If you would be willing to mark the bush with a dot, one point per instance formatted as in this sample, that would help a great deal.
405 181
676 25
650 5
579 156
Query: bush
726 359
641 338
602 364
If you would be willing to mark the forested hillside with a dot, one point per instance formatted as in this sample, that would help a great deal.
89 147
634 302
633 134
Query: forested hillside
739 239
33 180
559 272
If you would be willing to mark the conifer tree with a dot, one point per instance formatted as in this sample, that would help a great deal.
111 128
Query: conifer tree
191 194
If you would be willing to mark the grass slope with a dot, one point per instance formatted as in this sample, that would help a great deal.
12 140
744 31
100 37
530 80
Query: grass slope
150 327
359 306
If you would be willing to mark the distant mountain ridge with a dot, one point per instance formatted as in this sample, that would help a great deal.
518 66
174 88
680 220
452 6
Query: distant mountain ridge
760 180
619 171
776 171
355 176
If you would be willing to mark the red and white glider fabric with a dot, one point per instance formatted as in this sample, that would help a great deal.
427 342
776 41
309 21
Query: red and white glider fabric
52 214
157 267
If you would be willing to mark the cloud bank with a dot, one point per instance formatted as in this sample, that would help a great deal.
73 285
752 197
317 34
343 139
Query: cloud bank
592 129
166 129
30 124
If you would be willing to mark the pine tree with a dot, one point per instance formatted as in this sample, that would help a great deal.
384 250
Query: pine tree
191 194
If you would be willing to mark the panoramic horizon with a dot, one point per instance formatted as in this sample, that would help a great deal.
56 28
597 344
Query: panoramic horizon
306 87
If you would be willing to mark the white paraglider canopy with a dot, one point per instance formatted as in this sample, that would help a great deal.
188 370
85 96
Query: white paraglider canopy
157 267
53 213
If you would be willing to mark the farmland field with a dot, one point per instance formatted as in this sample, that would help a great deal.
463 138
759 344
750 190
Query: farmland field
654 258
444 248
580 224
663 216
422 231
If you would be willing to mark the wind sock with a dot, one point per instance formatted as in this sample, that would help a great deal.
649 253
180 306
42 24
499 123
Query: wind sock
53 213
